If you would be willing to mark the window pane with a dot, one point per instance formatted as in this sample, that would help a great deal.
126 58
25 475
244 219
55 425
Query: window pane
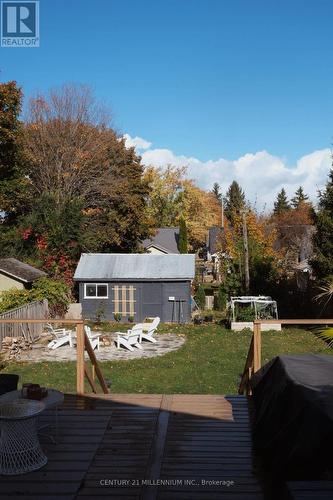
90 290
102 291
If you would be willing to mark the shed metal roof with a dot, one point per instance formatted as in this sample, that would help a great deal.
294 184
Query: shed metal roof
116 266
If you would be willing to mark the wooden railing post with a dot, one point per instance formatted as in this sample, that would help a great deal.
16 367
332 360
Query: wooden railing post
257 345
80 359
95 367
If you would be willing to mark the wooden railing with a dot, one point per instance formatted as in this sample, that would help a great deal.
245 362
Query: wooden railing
83 344
253 359
82 369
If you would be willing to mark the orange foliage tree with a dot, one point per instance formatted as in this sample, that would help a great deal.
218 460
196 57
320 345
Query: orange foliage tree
173 196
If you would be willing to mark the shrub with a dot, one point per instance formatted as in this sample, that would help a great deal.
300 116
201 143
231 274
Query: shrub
56 293
10 299
325 334
117 317
220 299
100 313
131 319
245 313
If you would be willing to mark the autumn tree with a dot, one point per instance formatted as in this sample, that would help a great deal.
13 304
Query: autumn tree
263 262
294 231
201 210
281 204
164 200
74 155
234 201
173 196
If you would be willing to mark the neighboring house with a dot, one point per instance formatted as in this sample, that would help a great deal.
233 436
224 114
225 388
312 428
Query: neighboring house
294 242
136 285
17 274
165 241
214 239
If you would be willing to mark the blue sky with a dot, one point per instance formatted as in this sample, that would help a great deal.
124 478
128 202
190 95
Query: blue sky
203 79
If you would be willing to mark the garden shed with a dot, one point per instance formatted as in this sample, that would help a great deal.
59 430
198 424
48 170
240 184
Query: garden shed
135 286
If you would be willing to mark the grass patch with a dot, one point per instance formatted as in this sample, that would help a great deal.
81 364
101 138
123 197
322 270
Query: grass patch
210 362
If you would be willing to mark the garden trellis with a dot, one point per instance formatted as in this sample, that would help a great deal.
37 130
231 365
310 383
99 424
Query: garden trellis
264 307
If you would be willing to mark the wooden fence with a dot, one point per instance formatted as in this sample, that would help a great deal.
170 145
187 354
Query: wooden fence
253 359
30 331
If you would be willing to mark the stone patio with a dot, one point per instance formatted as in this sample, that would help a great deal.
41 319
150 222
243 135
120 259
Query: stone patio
165 343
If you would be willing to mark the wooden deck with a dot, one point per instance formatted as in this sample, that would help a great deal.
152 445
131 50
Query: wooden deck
145 447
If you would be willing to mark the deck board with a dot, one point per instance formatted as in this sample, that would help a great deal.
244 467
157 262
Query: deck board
133 437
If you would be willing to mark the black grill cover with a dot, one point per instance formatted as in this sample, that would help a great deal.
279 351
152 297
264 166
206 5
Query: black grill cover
293 423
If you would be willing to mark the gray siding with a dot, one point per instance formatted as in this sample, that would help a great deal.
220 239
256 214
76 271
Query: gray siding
152 299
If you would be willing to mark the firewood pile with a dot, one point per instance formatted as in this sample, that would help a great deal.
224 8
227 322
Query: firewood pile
13 346
105 340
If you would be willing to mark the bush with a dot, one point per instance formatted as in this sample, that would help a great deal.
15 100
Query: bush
10 299
245 313
100 313
55 292
117 317
220 299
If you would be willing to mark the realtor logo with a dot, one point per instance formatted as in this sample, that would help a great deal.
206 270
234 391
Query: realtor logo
20 24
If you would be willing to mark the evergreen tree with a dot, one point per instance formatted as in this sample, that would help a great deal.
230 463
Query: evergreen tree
323 238
182 245
220 299
234 201
299 198
13 183
216 190
200 297
281 204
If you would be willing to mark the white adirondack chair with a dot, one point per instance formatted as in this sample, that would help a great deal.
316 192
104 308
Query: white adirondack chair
61 337
131 338
149 330
93 337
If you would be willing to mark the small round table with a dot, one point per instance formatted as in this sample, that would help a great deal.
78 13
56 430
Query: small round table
20 451
53 399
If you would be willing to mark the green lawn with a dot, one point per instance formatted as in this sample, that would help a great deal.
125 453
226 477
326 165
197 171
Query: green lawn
210 362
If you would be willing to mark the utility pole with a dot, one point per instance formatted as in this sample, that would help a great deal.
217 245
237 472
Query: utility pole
246 255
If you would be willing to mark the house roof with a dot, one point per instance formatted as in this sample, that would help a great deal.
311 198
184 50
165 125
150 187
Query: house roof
139 267
20 270
166 239
214 234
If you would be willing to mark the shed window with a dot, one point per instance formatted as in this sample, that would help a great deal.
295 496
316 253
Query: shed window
124 299
95 290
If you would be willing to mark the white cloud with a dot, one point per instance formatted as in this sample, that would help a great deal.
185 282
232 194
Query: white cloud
260 174
136 142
